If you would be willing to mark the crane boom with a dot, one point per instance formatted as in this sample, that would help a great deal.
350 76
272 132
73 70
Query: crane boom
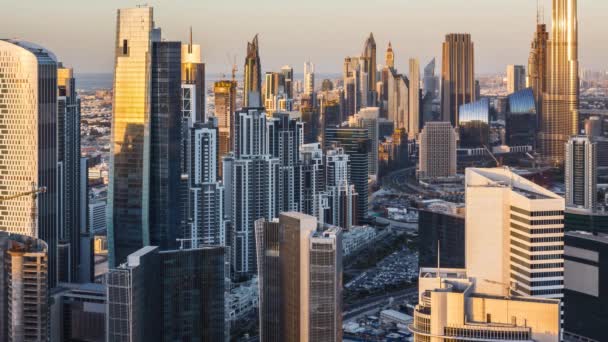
34 210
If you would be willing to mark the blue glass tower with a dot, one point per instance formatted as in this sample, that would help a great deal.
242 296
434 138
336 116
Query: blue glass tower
474 124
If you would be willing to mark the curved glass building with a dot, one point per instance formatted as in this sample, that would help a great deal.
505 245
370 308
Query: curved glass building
474 124
521 118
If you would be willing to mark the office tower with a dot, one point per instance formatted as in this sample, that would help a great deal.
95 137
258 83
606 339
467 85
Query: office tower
437 151
593 127
442 234
309 79
270 91
252 84
357 145
390 56
508 220
300 272
313 126
413 126
97 216
68 159
559 116
86 270
329 112
24 289
165 217
312 178
206 224
451 307
474 124
516 78
537 65
193 80
457 75
581 173
285 138
430 81
352 85
167 296
225 106
521 119
250 181
369 65
337 205
28 144
585 293
78 312
129 186
398 99
367 118
287 81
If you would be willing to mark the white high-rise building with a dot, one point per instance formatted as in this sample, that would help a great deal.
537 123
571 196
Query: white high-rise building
309 78
581 173
250 181
206 212
514 234
337 205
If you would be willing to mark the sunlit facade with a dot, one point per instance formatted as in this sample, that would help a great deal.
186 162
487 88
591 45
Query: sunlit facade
559 118
457 75
252 84
28 143
413 127
128 190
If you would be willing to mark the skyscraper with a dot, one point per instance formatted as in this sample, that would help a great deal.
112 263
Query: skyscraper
285 138
581 173
437 150
413 128
352 85
24 288
521 118
207 225
300 272
68 159
457 75
508 221
430 81
165 207
390 56
193 78
312 178
167 296
338 203
309 79
252 88
516 78
250 180
398 99
357 145
537 65
225 106
369 66
559 116
287 81
474 124
28 145
128 189
367 118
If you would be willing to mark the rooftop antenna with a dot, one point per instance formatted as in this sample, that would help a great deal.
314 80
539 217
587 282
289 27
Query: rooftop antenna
190 44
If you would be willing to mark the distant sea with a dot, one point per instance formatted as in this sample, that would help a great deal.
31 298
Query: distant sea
89 82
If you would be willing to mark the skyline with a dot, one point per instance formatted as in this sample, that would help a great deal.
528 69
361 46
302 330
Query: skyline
293 45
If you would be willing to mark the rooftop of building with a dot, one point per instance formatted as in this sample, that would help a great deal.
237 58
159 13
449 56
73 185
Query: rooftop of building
504 177
597 237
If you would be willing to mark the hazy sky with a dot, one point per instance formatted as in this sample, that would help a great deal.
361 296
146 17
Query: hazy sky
82 32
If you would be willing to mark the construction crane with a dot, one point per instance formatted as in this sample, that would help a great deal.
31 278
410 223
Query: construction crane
34 212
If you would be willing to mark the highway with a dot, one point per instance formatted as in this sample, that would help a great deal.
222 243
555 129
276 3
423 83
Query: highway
374 303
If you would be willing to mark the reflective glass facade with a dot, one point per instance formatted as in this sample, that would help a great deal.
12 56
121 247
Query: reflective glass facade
474 124
521 118
128 190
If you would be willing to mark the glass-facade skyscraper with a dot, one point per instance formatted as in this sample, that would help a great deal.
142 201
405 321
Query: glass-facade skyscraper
559 117
128 190
521 119
474 124
457 75
252 91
